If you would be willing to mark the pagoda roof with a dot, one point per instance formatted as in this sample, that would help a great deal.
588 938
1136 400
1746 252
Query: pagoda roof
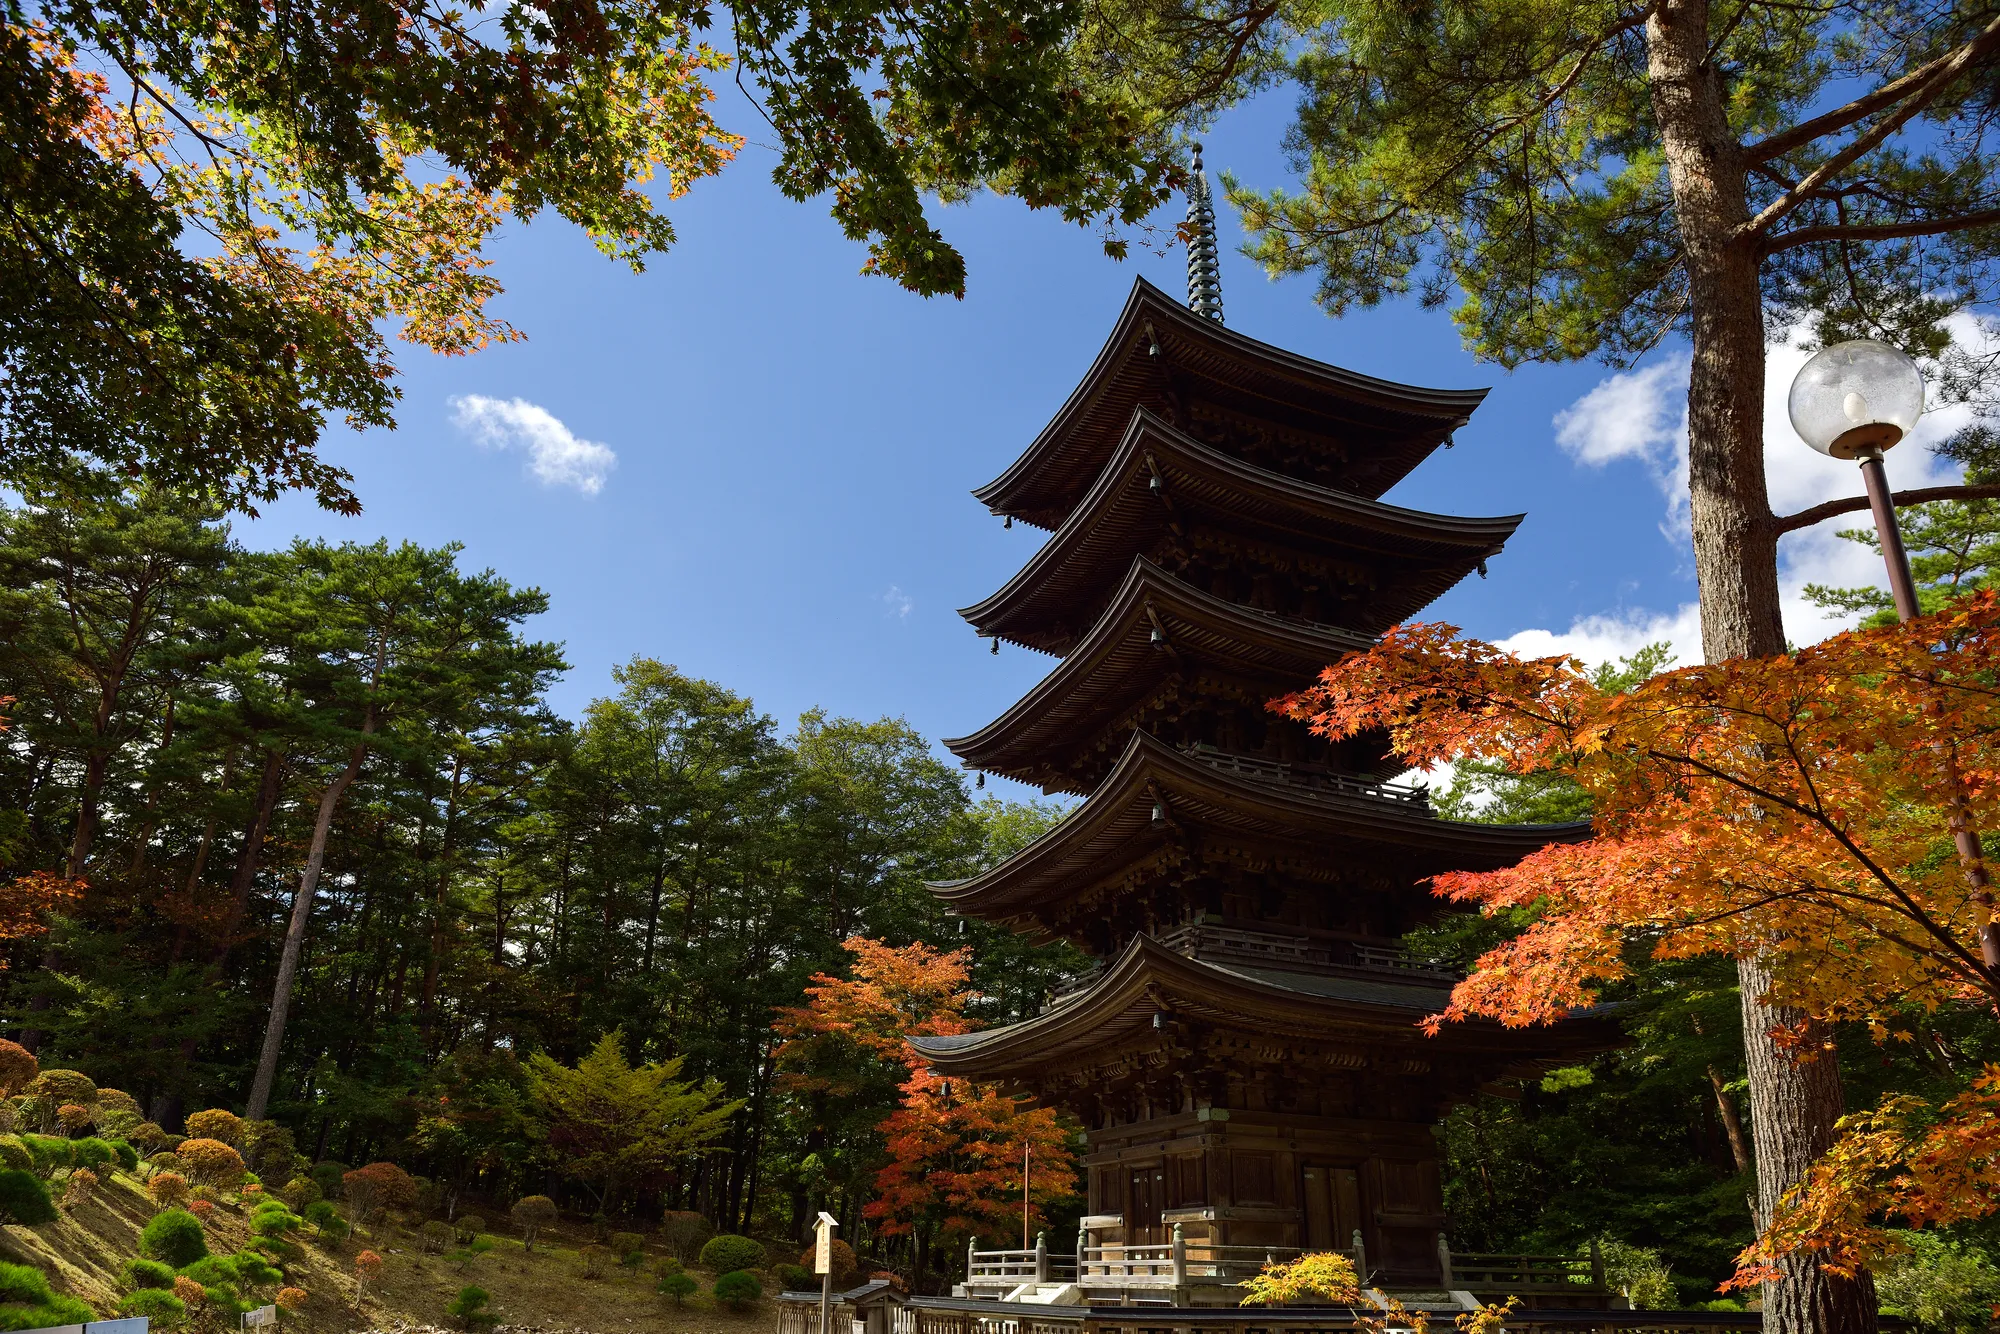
1119 665
1372 432
1148 979
1310 824
1159 481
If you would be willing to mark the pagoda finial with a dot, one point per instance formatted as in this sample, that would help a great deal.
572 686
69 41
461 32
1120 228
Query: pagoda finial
1204 270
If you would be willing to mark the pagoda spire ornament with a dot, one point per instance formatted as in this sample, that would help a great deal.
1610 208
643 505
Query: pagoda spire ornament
1204 271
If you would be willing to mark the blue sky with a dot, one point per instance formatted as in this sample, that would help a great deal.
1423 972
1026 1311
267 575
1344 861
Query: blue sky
790 448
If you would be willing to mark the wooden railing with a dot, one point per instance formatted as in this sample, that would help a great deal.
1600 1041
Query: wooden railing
1256 766
1010 1269
1118 1266
1395 960
1522 1273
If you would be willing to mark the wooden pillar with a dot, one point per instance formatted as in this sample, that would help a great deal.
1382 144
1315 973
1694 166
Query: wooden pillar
1041 1257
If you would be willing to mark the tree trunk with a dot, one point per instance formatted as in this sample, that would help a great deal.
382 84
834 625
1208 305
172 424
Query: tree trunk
1732 1120
1793 1106
250 853
295 931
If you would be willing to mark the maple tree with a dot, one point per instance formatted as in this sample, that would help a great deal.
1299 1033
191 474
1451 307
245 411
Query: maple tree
1794 808
949 1161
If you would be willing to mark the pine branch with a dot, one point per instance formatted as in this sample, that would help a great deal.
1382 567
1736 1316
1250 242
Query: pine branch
1883 231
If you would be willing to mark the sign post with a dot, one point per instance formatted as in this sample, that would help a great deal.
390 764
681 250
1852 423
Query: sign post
823 1266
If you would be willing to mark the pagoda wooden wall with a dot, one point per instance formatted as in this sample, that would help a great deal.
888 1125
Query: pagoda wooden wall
1272 1179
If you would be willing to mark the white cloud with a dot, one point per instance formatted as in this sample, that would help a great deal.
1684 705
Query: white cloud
898 603
556 455
1641 415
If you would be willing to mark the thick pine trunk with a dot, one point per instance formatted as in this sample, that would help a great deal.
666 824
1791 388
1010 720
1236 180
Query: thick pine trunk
1793 1106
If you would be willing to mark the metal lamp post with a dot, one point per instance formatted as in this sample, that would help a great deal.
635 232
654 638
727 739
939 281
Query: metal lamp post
1857 400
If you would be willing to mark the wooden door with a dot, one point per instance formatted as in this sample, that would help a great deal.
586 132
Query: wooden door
1145 1197
1333 1206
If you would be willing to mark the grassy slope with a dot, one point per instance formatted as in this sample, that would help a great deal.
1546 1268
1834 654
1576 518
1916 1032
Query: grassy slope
83 1252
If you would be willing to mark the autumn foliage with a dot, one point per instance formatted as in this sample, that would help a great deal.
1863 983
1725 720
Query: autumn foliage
1798 808
953 1150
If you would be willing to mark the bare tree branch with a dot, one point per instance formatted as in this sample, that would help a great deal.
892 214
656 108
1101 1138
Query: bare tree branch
1923 495
1784 141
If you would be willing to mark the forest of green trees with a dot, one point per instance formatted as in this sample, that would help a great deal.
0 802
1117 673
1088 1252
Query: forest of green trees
198 730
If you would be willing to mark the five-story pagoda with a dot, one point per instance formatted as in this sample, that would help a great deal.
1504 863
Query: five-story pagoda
1247 1060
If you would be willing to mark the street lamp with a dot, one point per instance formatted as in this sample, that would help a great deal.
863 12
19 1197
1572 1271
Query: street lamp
1855 401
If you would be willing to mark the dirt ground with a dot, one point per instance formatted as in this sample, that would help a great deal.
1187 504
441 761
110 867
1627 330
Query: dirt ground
542 1290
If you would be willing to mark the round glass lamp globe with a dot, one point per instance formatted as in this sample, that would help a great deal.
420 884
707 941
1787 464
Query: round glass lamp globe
1856 399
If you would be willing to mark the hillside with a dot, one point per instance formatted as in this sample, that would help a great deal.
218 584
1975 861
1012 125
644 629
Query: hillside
83 1251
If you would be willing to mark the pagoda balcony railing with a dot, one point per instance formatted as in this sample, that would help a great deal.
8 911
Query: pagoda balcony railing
1395 960
1277 771
1493 1272
1205 939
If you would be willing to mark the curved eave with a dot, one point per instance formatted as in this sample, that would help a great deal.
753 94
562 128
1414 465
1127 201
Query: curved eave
1114 827
1398 424
1117 664
1148 979
1420 555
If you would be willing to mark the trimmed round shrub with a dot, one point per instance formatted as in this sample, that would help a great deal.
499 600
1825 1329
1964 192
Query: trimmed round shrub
166 1160
327 1176
147 1138
24 1198
291 1299
92 1153
14 1155
678 1286
469 1307
79 1187
50 1152
795 1278
127 1156
73 1117
729 1252
140 1272
437 1236
845 1267
61 1086
210 1162
168 1190
161 1307
301 1191
216 1124
468 1227
211 1270
532 1213
18 1067
23 1285
174 1237
255 1270
271 1151
58 1310
326 1220
738 1290
593 1257
117 1100
629 1247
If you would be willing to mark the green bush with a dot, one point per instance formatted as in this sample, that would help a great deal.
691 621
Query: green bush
140 1272
593 1257
14 1155
795 1278
128 1157
274 1220
728 1252
327 1176
174 1237
277 1250
25 1199
326 1220
162 1308
678 1286
1941 1285
58 1310
629 1247
91 1152
50 1152
437 1236
255 1270
211 1270
739 1290
469 1307
23 1285
462 1258
469 1226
